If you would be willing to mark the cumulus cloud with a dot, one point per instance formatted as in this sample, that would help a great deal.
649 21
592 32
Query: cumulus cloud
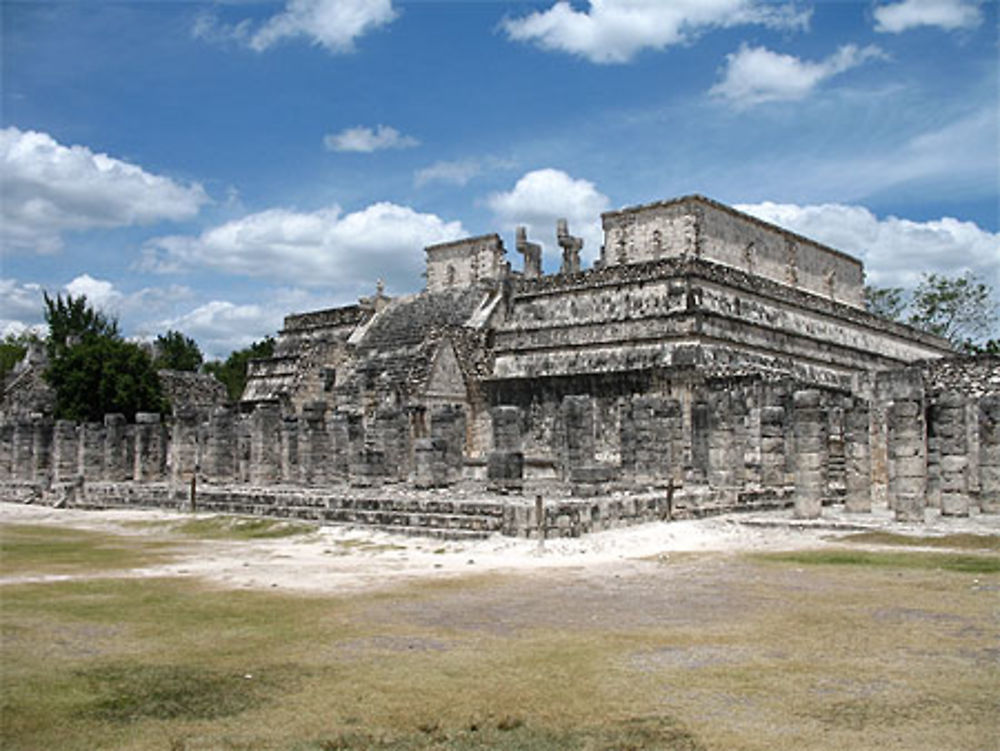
542 197
910 14
460 171
20 306
896 251
50 189
366 140
754 75
614 31
324 247
331 24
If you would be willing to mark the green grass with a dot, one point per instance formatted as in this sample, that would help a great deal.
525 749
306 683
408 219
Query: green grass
965 541
37 549
972 564
242 528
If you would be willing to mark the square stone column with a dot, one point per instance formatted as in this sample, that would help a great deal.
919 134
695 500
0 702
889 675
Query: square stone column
314 445
722 461
989 454
6 449
857 457
22 440
448 426
290 472
265 441
150 448
773 426
810 424
953 449
42 431
184 449
117 457
505 464
907 459
65 451
91 459
578 432
219 464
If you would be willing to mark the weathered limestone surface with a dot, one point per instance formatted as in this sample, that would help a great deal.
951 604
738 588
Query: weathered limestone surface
91 458
953 452
989 454
41 450
150 448
265 459
184 448
810 424
857 456
505 464
219 463
65 451
117 453
907 459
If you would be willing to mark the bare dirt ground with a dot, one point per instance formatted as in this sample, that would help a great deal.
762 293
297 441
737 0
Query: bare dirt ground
343 560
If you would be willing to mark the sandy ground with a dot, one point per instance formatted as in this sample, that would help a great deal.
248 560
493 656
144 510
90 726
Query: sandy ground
337 559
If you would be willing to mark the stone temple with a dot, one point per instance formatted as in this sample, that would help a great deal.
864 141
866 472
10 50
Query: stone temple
707 361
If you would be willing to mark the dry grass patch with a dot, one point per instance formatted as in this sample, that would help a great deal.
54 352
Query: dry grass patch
963 541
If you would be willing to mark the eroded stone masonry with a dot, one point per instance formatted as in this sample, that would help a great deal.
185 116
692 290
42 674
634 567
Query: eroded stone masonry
707 361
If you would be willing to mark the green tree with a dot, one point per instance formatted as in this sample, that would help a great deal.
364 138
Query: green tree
174 351
92 370
13 347
888 302
72 320
961 309
233 372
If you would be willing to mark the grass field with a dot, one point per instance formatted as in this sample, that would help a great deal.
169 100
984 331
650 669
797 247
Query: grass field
844 648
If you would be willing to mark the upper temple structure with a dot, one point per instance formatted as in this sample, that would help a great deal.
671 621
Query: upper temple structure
707 361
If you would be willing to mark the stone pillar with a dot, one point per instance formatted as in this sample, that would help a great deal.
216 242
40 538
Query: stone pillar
184 448
314 445
41 450
339 426
91 455
150 448
933 419
20 450
65 452
836 470
117 467
505 468
989 454
290 472
953 450
698 468
773 420
907 459
219 462
721 454
857 457
265 464
6 450
578 426
448 426
392 431
810 426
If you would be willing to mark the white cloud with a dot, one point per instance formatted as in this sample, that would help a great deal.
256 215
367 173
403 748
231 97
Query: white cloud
20 306
331 24
909 14
896 252
455 173
754 75
542 197
50 189
614 31
323 247
366 140
220 326
99 292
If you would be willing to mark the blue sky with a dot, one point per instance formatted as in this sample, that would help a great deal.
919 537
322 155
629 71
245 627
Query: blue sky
212 167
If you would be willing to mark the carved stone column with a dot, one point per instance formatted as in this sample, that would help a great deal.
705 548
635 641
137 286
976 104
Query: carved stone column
989 454
810 424
857 457
953 449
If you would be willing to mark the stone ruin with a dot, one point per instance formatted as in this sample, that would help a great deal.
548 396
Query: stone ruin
707 362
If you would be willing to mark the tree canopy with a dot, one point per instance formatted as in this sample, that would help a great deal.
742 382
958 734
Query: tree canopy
92 370
174 351
233 372
962 309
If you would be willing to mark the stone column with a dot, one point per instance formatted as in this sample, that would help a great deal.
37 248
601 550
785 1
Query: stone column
41 450
953 450
117 467
314 445
265 460
722 468
184 448
339 426
698 468
6 450
150 448
907 459
219 463
505 468
857 457
429 469
91 456
20 450
836 470
65 452
448 426
810 424
772 440
989 454
578 425
392 431
290 473
933 455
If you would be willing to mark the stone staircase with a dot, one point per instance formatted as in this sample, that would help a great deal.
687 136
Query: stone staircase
425 517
